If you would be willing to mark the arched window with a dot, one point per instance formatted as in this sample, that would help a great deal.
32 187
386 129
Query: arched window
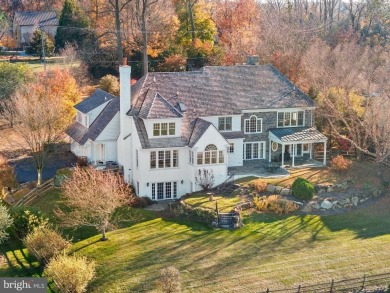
210 154
253 124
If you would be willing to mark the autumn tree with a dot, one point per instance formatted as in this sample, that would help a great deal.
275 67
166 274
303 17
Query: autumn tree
7 176
35 47
4 24
352 89
43 110
12 77
110 84
93 197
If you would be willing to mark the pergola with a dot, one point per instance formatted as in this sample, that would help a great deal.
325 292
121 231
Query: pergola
294 136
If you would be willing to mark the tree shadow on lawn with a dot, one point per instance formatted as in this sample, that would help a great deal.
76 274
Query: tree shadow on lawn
368 222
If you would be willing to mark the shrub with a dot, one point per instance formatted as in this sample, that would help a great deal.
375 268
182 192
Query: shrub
259 185
5 223
340 163
141 202
169 280
70 273
303 189
82 161
201 215
275 204
7 175
26 219
110 84
44 243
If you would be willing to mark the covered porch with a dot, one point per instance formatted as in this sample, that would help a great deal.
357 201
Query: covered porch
295 145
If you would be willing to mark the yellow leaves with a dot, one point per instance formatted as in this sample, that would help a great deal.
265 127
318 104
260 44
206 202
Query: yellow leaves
343 101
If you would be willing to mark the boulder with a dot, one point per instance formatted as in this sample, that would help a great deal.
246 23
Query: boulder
314 205
355 200
344 201
326 204
285 191
330 189
271 188
335 203
278 189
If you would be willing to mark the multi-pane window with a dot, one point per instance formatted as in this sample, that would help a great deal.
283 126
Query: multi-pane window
164 159
164 190
164 129
191 157
286 119
225 123
211 155
253 125
231 148
254 150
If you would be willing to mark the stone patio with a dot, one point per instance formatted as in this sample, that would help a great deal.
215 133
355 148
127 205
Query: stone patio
259 168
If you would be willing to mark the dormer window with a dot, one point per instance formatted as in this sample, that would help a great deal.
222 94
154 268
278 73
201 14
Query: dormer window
164 129
82 119
225 123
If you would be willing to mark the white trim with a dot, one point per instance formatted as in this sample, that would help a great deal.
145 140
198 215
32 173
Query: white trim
277 109
257 119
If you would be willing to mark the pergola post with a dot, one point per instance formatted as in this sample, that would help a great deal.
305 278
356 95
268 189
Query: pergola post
269 150
310 150
324 152
282 155
293 146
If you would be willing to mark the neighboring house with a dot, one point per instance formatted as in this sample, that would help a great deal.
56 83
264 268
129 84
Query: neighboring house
26 22
170 125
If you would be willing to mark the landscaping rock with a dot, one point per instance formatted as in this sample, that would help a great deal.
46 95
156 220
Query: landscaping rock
285 192
335 203
314 205
330 189
326 204
278 189
271 188
344 201
355 200
344 185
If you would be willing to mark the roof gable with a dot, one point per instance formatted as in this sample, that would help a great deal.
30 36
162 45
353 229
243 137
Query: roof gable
97 98
35 18
161 108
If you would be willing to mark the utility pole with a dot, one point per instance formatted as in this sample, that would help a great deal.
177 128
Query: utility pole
43 46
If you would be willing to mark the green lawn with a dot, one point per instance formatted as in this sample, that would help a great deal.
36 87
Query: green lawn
270 251
36 65
225 204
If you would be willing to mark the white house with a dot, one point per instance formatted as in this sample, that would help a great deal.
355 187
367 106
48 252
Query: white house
26 22
169 125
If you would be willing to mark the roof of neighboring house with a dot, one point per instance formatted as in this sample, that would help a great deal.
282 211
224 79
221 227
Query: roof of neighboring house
96 99
35 18
211 91
81 134
297 134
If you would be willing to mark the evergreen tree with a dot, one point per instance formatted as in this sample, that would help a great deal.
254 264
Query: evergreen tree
35 47
74 27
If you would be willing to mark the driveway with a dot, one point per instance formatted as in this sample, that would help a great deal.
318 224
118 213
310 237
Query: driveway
25 170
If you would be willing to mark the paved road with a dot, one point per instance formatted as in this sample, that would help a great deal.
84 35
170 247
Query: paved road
25 168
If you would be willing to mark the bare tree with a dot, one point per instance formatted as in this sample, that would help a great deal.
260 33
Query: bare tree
205 179
38 115
142 7
93 197
118 6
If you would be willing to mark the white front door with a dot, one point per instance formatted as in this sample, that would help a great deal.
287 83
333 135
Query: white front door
100 152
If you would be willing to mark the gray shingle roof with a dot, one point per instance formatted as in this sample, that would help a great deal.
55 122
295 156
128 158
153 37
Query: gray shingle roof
219 90
233 134
81 133
199 128
97 98
35 18
297 134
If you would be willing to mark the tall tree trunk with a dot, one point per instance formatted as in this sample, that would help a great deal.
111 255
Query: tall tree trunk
144 43
104 238
118 32
190 12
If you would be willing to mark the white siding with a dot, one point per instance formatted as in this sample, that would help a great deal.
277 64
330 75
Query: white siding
81 150
235 159
95 112
111 132
236 121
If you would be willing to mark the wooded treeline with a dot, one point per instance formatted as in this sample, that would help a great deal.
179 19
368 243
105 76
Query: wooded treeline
335 50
